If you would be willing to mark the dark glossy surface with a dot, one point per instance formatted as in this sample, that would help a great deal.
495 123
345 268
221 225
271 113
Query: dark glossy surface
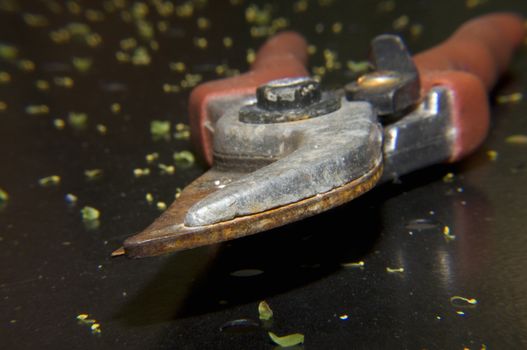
53 268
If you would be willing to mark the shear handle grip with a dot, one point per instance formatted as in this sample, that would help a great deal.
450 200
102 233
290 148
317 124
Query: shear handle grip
469 64
282 56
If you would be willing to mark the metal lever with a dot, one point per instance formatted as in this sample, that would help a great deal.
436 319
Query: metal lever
394 85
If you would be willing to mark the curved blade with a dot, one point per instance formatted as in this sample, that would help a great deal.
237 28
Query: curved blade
169 233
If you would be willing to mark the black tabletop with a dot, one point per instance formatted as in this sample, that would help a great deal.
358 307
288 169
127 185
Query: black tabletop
434 261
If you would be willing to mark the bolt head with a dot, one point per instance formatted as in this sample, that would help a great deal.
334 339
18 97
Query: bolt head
289 93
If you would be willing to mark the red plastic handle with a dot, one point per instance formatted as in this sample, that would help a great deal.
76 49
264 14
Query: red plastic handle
469 63
282 56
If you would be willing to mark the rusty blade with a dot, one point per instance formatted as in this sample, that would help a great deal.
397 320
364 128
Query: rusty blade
169 233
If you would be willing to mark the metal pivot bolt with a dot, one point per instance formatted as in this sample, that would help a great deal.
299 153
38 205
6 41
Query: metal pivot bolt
287 100
394 85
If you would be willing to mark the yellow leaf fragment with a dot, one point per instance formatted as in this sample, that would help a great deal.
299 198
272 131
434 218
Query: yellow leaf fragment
151 157
511 98
167 169
449 177
71 198
139 172
82 64
3 106
4 196
52 180
447 234
66 82
492 155
5 77
161 206
42 84
353 264
77 120
179 67
82 317
101 129
395 270
517 139
264 311
460 301
59 124
149 198
92 174
35 20
115 108
90 214
287 340
37 109
184 158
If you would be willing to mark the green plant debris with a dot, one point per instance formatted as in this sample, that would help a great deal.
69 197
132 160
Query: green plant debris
140 172
115 108
66 82
474 3
35 20
178 193
511 98
517 139
416 30
449 177
386 6
203 23
26 65
184 158
152 157
167 169
459 301
257 15
37 109
353 264
287 340
145 29
170 88
3 106
5 77
82 64
160 128
85 320
228 42
102 129
78 120
71 199
401 23
59 123
141 57
90 214
42 85
49 181
460 313
4 196
492 155
179 67
149 198
395 270
182 132
8 52
251 56
161 206
448 236
128 44
185 10
94 15
264 311
93 174
191 80
358 66
300 6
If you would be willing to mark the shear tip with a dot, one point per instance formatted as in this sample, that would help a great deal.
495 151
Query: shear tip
118 252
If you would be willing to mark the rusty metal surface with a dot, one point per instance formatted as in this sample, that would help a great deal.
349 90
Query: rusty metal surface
169 233
53 267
